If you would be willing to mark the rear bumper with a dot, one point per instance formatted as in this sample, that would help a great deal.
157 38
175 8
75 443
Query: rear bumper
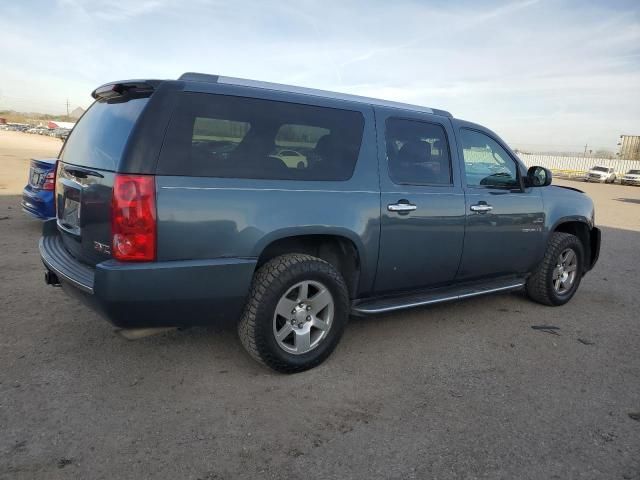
138 295
39 204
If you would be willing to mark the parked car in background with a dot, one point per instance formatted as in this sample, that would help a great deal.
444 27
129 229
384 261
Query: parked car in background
632 177
292 158
601 174
38 196
174 209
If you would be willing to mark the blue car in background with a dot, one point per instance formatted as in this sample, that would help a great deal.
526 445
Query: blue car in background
37 196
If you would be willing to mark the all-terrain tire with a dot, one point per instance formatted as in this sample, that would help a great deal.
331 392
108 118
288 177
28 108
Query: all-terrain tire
269 284
540 285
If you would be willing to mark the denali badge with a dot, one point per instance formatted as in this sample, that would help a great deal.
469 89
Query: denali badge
102 248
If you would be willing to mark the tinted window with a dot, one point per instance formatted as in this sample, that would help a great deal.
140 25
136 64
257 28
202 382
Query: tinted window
417 152
236 137
99 138
217 137
486 163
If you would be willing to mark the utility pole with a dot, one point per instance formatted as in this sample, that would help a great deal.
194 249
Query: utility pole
68 108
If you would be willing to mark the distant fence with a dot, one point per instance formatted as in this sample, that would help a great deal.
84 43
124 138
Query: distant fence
577 164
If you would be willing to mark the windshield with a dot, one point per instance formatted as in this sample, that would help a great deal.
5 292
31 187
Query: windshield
599 169
634 172
97 141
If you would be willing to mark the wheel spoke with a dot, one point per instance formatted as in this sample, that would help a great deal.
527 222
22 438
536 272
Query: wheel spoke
303 291
303 341
556 273
320 301
556 284
284 332
284 307
570 255
320 324
571 268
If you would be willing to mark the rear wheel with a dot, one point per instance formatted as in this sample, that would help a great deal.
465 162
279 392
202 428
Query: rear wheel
558 276
296 313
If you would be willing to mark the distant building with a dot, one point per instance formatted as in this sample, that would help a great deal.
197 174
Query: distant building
56 124
3 121
629 147
76 112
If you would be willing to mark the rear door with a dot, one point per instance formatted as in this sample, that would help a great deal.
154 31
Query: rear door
504 219
422 202
85 176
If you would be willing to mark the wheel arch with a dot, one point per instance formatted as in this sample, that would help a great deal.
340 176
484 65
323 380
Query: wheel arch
340 248
581 228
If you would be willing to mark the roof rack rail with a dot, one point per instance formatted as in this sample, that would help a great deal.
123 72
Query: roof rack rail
243 82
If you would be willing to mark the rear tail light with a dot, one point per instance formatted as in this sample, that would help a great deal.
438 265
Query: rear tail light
49 182
133 218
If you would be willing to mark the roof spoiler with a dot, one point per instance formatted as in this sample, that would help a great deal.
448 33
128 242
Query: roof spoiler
125 90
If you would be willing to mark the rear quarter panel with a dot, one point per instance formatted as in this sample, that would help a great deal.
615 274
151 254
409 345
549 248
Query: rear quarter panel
207 218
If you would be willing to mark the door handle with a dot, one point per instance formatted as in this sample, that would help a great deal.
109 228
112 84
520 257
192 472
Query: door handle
481 208
401 207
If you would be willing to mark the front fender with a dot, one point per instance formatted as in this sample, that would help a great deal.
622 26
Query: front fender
570 218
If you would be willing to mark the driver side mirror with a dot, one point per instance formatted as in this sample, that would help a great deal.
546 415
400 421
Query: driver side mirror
539 177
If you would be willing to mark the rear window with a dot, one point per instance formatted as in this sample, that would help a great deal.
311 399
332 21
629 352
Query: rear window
99 138
235 137
600 169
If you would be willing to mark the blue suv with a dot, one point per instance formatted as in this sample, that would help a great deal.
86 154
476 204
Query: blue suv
189 201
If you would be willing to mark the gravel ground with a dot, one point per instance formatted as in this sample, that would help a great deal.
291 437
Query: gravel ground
464 390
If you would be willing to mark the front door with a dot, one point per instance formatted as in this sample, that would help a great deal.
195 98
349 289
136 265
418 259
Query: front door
504 219
422 202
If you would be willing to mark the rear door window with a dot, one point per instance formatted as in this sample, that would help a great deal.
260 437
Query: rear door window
99 138
417 152
236 137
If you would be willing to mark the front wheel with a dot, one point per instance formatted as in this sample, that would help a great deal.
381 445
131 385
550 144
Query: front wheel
558 276
296 313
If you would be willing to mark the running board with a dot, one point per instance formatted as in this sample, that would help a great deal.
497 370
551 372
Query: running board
445 294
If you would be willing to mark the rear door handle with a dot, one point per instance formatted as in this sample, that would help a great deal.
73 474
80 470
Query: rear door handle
401 206
481 208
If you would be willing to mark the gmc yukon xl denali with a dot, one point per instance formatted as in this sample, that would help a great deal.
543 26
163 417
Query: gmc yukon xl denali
188 201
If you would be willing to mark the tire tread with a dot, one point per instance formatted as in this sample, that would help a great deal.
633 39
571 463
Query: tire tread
269 278
538 287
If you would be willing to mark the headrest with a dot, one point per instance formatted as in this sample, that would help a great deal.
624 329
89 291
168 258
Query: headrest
415 151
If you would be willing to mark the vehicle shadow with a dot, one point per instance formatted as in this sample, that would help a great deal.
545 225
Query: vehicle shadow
628 200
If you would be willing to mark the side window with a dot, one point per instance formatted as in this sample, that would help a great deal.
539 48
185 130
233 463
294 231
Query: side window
486 163
216 137
295 142
417 153
236 137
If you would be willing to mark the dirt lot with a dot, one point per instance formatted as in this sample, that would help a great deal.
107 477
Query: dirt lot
465 390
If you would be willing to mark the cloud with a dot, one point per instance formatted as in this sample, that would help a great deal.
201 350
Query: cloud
113 11
527 68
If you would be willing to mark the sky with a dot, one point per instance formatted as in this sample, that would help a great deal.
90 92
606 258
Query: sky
543 74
